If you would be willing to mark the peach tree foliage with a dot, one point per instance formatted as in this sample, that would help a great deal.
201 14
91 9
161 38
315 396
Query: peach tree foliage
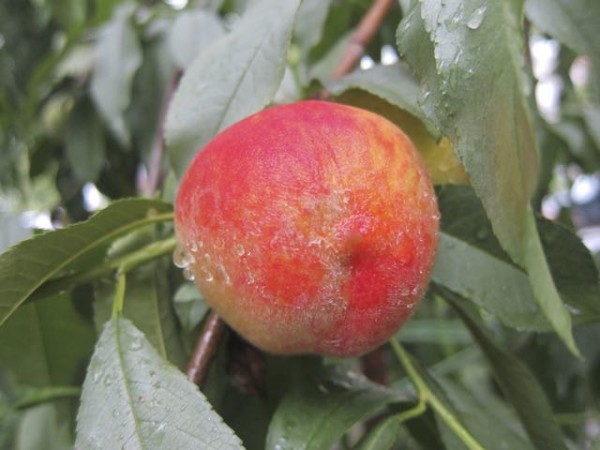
97 325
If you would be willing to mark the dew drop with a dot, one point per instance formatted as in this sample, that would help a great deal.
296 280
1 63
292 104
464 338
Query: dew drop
481 234
476 18
188 274
181 258
223 274
240 250
136 343
97 375
206 274
108 379
152 212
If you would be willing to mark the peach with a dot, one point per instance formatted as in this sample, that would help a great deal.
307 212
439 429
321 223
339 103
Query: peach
310 228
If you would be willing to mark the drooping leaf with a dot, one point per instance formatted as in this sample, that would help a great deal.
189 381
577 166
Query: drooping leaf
27 265
117 56
518 385
471 262
318 411
468 56
46 343
236 76
84 142
133 398
191 33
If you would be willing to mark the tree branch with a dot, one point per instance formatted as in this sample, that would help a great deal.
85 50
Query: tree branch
205 350
367 27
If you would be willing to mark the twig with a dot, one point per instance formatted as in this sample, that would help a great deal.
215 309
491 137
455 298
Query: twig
206 348
155 173
367 27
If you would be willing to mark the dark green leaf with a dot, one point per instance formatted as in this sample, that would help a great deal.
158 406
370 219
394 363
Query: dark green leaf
434 331
382 437
26 266
463 52
191 33
68 12
308 27
117 57
235 77
132 398
84 142
46 343
318 411
518 385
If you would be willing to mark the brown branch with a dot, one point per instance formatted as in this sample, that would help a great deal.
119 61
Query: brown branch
155 176
206 348
367 27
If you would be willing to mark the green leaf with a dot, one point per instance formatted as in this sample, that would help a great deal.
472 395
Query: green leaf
132 398
191 33
434 331
394 83
308 27
317 412
518 385
26 266
84 142
46 343
463 52
471 262
190 306
44 427
68 12
237 76
117 57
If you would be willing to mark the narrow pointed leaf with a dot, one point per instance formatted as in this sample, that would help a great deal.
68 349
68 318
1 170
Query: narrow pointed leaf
468 56
133 398
27 265
235 77
518 385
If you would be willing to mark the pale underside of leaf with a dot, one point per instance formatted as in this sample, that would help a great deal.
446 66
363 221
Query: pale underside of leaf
144 401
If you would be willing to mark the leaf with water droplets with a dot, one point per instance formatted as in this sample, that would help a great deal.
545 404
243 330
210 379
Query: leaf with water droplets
469 56
143 400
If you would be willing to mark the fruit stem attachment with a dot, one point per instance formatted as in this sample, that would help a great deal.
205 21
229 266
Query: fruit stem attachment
426 396
205 349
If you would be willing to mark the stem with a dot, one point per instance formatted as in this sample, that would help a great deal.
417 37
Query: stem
362 36
425 394
48 395
119 299
205 349
131 260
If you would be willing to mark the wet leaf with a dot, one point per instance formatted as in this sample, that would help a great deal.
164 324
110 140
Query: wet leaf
143 400
463 52
235 77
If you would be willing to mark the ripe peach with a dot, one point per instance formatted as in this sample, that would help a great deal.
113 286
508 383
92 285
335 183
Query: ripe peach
310 228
